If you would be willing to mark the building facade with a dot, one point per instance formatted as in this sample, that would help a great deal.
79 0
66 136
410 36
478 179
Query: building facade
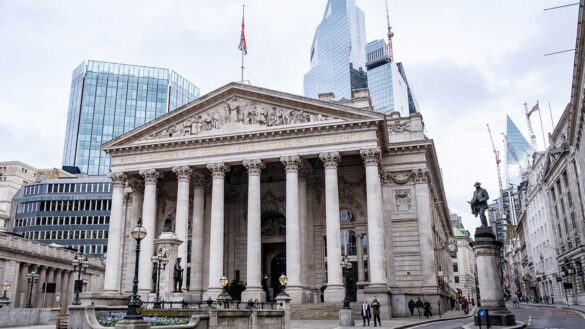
276 183
13 175
464 270
72 212
53 264
109 99
338 52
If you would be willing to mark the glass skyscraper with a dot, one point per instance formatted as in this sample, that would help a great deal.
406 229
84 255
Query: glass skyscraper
518 153
338 52
387 83
109 99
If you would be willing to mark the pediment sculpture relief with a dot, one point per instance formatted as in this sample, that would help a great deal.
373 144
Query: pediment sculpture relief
237 114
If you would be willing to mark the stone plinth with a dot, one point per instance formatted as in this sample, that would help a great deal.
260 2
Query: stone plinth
382 294
169 242
487 251
132 324
346 318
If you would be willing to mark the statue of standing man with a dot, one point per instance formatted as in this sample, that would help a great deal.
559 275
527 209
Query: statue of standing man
479 203
178 275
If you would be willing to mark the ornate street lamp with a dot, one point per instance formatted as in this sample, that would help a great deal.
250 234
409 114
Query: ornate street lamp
134 302
160 262
32 278
346 269
5 300
224 296
80 264
283 282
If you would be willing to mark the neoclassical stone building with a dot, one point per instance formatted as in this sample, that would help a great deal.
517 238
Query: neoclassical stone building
260 183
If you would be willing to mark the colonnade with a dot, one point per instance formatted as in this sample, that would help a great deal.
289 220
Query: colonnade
294 228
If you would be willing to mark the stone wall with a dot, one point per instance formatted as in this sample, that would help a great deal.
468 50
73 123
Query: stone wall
25 317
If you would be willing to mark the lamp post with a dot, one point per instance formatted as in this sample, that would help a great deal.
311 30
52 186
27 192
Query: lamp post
32 278
80 264
224 296
346 269
134 302
5 300
160 261
283 279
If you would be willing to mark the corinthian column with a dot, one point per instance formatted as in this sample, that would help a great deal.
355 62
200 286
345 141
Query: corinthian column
254 248
113 273
334 291
149 222
376 259
196 285
293 246
182 217
218 171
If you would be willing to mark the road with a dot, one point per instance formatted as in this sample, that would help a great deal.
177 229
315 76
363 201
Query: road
535 317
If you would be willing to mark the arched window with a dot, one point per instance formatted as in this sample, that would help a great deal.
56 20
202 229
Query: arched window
348 243
346 216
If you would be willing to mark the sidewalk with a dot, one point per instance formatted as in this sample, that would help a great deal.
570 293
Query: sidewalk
397 323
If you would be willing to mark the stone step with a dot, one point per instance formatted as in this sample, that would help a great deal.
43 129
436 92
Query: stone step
324 311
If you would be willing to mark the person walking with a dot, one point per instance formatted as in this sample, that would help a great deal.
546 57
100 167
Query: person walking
366 312
411 305
419 306
515 301
465 305
427 307
376 311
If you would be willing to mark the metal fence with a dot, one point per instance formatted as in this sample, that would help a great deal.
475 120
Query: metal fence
203 305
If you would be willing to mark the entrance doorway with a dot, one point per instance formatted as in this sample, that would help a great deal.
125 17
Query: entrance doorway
277 268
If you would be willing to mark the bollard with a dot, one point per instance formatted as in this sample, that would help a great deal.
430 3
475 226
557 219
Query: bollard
439 304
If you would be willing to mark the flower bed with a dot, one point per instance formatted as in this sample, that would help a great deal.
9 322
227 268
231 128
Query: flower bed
112 319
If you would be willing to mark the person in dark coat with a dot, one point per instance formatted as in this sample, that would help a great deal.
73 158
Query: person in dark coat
419 306
427 307
366 312
376 309
411 305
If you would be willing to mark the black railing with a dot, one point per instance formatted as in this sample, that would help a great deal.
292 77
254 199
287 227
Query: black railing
202 305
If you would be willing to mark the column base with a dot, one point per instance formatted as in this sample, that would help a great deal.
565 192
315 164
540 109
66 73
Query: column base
382 293
334 294
196 295
295 293
254 294
500 316
213 293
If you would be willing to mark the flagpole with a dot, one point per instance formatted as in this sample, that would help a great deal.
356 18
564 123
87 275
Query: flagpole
242 75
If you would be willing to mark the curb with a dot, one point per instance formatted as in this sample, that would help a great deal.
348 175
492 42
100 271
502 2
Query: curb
412 325
559 307
519 325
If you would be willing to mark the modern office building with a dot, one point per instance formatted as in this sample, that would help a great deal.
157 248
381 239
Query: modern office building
338 52
518 153
389 89
73 212
109 99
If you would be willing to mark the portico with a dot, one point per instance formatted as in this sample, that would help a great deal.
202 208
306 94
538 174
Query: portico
258 182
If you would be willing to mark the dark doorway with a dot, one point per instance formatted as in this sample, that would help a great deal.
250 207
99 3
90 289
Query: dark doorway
353 282
277 268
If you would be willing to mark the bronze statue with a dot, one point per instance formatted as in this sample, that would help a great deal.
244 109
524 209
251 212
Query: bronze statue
168 224
178 275
479 203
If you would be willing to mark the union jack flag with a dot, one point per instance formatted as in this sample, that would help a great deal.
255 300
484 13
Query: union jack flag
242 45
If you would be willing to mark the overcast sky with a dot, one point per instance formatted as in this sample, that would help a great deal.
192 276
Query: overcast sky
469 63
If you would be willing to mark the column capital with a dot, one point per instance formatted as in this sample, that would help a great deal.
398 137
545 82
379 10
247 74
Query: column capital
330 159
199 179
304 171
218 169
291 162
183 173
371 157
118 178
150 175
254 166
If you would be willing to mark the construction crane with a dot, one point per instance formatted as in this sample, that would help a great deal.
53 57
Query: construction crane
497 155
530 131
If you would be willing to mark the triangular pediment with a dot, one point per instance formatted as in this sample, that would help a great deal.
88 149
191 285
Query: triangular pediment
237 109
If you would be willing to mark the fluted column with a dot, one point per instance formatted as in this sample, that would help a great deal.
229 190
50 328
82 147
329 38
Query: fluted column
293 248
112 274
22 286
64 291
376 259
334 291
254 244
38 302
303 177
196 285
218 171
182 217
50 279
149 222
71 287
360 257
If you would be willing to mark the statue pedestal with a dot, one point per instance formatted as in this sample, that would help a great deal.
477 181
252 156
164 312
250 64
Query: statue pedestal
169 242
487 253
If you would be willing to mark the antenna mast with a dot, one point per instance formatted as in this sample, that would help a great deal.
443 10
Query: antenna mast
390 35
497 155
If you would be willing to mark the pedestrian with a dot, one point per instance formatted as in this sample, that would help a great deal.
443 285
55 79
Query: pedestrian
376 311
419 307
515 301
411 305
366 312
465 305
427 307
552 299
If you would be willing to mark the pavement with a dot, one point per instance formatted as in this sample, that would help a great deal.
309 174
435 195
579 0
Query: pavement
49 326
397 323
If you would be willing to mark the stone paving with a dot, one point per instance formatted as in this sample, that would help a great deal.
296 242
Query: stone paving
386 324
